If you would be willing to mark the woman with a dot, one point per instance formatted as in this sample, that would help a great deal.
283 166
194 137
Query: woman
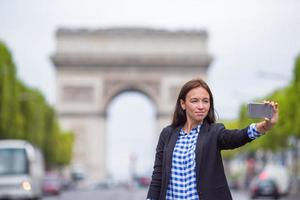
188 163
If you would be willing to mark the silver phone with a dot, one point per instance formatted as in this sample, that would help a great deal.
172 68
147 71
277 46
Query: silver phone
260 110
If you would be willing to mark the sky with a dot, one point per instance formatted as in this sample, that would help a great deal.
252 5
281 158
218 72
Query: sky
254 43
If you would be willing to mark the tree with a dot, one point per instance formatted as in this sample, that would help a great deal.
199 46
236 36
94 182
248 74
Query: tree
25 114
10 120
296 98
58 146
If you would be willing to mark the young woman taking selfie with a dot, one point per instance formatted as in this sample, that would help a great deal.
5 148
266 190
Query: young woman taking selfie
188 163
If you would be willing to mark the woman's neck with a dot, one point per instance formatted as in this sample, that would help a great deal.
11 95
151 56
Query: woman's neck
189 125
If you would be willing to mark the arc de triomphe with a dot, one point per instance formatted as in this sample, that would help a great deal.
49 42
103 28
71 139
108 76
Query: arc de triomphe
94 66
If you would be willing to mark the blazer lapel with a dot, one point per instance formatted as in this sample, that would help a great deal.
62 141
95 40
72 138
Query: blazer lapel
199 147
170 148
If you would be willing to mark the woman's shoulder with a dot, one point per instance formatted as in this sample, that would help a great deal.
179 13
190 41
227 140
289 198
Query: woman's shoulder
167 130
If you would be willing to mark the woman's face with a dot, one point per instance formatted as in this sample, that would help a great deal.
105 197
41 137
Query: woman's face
196 104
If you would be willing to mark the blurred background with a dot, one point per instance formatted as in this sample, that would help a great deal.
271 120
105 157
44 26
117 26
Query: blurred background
87 86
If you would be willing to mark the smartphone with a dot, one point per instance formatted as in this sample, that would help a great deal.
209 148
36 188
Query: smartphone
260 110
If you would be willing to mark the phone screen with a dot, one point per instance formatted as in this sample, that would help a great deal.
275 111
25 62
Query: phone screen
260 110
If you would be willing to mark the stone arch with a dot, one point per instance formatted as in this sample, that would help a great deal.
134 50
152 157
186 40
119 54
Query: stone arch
116 90
93 66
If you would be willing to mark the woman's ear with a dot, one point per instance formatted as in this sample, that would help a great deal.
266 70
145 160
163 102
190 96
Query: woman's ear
182 104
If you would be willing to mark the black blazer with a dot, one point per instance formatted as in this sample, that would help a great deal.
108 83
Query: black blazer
211 180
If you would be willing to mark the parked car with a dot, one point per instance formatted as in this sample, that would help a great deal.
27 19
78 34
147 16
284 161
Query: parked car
103 185
52 185
279 174
264 188
144 181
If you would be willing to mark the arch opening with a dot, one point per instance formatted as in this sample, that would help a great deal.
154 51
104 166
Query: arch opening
130 135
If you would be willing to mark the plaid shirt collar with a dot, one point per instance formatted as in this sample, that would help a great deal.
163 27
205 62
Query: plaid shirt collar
194 130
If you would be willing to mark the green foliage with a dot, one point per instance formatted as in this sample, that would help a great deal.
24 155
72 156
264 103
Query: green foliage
33 106
25 114
296 80
59 148
65 145
9 116
296 98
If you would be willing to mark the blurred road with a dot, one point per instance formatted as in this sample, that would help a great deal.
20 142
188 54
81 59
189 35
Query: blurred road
101 194
125 194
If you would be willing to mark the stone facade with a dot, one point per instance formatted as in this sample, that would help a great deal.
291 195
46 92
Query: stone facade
94 66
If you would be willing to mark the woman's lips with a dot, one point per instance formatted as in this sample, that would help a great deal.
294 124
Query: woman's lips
200 113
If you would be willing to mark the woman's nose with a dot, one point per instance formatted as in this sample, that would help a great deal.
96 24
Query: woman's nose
200 105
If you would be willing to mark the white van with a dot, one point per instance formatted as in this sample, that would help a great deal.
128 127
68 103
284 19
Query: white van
21 170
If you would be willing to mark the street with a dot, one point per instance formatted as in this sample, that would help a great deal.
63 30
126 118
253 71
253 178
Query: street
105 194
124 194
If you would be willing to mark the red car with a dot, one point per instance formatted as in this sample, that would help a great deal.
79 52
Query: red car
52 185
264 188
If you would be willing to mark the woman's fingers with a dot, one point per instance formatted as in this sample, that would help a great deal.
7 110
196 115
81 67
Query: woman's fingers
273 104
276 105
267 119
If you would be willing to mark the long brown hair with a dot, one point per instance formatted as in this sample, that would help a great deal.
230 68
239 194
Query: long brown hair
179 116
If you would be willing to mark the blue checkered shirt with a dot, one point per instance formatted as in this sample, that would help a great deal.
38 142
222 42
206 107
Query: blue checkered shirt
182 183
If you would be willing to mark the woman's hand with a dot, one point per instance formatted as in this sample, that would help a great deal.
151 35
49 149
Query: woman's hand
267 124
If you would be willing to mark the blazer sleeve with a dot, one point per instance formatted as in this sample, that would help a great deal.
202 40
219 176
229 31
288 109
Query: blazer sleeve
230 139
156 182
